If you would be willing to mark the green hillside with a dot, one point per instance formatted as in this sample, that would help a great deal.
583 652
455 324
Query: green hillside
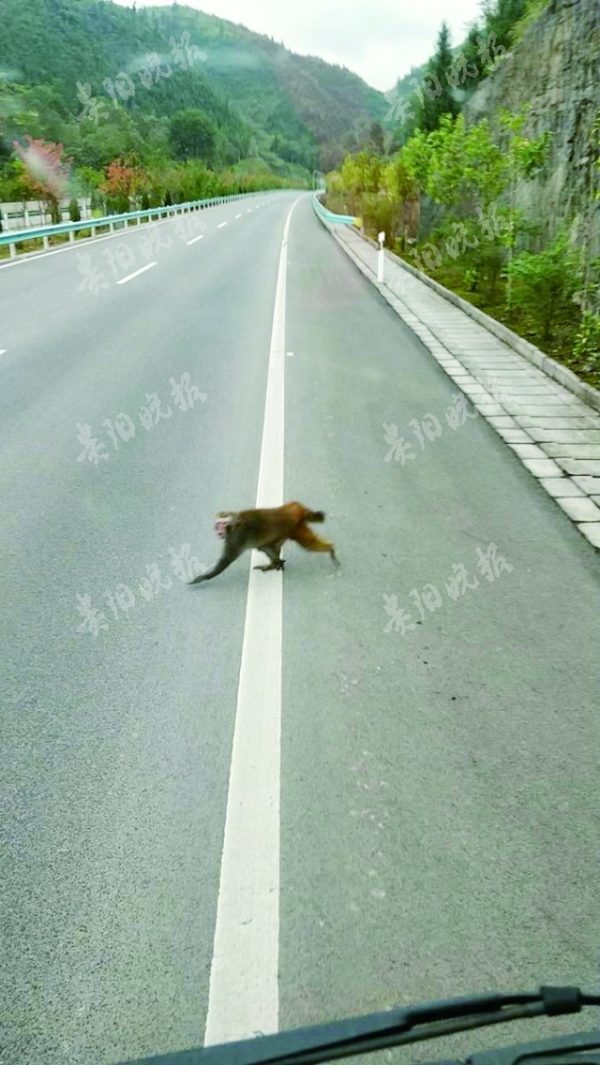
261 100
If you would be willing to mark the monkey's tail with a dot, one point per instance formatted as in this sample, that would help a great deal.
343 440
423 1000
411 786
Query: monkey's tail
314 515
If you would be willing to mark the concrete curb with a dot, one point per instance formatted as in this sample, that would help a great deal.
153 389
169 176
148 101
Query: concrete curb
553 369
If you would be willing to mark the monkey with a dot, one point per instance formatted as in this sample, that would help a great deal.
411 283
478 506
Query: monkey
267 530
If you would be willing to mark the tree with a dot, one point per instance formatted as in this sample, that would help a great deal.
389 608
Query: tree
153 140
193 135
402 191
501 17
45 171
435 95
493 36
471 50
13 183
376 138
525 158
331 157
416 156
361 174
45 102
97 146
545 284
192 180
462 171
16 116
90 181
467 169
590 209
124 181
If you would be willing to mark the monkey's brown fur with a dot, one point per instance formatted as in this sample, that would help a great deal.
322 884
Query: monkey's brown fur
266 530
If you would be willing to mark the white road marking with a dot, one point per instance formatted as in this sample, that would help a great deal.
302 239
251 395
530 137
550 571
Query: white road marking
244 993
221 224
3 351
238 216
27 257
194 239
290 354
248 211
142 269
30 256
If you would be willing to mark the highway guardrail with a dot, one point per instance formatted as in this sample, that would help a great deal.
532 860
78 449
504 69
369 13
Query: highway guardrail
329 216
44 233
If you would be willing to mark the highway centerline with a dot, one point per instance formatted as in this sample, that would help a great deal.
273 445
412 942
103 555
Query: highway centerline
141 270
244 993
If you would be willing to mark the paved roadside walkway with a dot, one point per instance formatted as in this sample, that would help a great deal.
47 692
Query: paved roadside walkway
554 433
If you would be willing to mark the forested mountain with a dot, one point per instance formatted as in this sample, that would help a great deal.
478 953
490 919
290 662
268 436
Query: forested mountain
260 100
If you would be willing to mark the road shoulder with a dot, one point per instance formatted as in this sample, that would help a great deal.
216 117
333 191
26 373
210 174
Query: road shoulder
552 431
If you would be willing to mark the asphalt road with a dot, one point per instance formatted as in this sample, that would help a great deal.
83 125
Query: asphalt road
439 790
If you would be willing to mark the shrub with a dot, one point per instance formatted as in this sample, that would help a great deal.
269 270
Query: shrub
491 259
471 279
587 342
544 284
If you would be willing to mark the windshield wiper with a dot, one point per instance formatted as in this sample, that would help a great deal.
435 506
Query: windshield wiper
396 1027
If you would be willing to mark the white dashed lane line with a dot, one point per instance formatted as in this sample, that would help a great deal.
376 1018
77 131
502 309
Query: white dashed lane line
221 224
194 239
29 256
238 216
32 256
124 280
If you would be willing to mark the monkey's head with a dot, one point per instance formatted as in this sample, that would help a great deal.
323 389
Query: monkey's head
223 520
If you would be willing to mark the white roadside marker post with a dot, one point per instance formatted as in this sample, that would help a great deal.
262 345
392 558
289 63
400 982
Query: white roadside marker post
380 259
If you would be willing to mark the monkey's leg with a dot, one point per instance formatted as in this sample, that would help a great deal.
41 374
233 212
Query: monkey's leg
224 561
272 552
310 542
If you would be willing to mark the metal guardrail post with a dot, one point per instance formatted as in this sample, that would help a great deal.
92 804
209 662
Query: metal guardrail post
45 232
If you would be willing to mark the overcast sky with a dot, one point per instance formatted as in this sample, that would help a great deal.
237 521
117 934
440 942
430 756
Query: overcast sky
378 39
